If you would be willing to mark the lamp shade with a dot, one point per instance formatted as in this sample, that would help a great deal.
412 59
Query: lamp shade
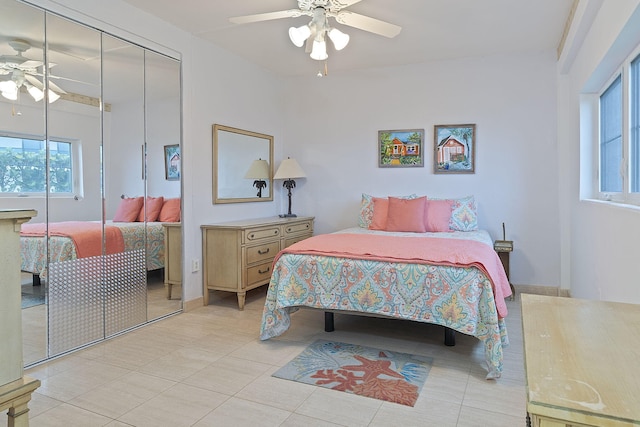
319 50
9 89
289 169
259 169
35 93
299 35
339 39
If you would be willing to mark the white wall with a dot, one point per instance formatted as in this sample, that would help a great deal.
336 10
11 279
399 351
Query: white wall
601 239
511 99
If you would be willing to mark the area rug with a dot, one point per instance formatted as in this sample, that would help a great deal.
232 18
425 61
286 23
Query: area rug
32 296
380 374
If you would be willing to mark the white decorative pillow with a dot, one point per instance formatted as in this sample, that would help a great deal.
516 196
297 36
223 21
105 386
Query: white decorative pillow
366 209
464 214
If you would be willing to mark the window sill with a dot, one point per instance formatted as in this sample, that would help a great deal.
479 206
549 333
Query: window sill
614 204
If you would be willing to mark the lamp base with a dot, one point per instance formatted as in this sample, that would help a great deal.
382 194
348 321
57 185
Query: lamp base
287 215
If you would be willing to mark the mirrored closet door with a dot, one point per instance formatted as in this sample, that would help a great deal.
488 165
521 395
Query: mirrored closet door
92 142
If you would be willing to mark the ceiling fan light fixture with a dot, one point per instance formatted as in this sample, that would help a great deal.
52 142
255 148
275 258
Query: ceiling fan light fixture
339 39
35 93
319 50
53 97
299 35
9 90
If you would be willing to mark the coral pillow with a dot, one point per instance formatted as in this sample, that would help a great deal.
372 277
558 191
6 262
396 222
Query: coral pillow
406 215
170 211
437 215
128 210
153 207
379 218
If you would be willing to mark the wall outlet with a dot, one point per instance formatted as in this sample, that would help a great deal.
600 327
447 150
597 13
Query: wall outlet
195 265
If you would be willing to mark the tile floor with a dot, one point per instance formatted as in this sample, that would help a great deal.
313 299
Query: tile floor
207 367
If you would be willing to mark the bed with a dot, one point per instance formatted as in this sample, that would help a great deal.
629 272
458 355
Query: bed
454 279
128 236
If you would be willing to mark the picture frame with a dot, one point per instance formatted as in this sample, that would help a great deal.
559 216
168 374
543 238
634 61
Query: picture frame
454 149
172 162
400 148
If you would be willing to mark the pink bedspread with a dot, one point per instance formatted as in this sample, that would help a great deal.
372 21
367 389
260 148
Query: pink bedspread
87 236
417 250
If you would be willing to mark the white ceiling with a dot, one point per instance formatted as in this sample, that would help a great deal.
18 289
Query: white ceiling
431 30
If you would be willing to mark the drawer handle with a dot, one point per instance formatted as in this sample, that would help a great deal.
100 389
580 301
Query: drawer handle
251 236
265 271
261 252
275 232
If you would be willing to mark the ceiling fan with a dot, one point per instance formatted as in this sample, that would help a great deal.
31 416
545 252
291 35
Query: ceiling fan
23 72
314 33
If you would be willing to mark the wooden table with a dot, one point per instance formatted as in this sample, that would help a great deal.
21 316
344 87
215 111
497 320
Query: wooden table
582 360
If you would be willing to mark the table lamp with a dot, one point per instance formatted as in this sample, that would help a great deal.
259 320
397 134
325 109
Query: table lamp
288 170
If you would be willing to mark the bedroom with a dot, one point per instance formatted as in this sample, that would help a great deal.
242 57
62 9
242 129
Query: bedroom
525 107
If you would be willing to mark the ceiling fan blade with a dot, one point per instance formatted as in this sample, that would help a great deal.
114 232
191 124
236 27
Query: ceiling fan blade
367 23
247 19
37 83
31 64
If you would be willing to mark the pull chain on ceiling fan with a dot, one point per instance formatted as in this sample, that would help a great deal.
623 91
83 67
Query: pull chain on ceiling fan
316 31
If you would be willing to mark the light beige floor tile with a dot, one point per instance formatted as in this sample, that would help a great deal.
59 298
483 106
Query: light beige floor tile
429 412
445 383
273 352
473 417
180 364
297 420
228 375
276 392
122 395
180 405
66 415
76 381
339 407
40 403
502 396
241 413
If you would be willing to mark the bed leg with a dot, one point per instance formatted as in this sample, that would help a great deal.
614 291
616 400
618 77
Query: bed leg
328 322
449 337
35 280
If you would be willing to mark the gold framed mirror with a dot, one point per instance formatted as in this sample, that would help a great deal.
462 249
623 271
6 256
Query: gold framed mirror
243 165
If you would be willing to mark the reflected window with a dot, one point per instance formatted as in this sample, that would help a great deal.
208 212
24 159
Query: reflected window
23 166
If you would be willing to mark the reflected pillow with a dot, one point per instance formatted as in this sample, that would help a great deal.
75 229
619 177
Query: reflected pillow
153 207
128 210
170 211
406 214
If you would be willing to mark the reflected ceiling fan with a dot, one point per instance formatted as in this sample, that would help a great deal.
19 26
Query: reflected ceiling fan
23 72
316 31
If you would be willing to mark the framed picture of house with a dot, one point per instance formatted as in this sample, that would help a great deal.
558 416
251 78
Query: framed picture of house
400 148
172 162
455 149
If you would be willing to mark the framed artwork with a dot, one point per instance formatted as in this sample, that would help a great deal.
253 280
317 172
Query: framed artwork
455 148
172 162
400 148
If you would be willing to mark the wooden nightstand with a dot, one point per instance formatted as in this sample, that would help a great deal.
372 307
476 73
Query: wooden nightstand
504 248
237 256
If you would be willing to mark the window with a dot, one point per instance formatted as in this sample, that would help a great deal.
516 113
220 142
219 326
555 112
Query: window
619 135
611 138
23 166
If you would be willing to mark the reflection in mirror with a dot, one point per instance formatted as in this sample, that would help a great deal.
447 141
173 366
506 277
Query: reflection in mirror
22 133
99 115
237 176
162 129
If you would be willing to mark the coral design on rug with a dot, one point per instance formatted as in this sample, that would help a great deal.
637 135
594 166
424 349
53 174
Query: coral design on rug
380 374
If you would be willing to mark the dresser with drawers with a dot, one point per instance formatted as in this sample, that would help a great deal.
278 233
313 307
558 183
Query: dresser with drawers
237 256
